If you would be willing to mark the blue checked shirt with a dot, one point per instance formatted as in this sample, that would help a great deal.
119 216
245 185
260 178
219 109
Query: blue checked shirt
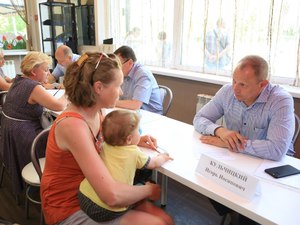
268 123
141 85
216 41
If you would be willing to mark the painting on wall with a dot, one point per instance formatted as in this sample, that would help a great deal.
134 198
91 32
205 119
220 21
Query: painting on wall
13 25
10 41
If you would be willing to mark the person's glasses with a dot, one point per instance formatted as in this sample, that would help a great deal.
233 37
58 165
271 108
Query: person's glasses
97 64
99 60
81 61
125 61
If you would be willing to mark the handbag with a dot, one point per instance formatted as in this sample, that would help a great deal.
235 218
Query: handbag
46 119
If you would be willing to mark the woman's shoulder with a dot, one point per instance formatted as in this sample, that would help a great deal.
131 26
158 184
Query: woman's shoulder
69 123
26 82
69 114
22 87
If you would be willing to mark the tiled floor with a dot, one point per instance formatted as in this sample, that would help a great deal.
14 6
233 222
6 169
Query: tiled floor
188 207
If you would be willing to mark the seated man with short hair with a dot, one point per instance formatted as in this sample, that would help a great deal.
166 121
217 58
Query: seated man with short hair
259 117
64 57
140 89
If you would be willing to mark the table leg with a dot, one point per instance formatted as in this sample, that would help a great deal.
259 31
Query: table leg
164 189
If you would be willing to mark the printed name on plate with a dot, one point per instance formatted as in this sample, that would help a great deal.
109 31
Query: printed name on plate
227 176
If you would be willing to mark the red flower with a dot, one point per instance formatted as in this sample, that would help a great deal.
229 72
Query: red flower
9 46
3 38
19 38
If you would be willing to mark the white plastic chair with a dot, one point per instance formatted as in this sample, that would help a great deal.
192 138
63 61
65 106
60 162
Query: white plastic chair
32 172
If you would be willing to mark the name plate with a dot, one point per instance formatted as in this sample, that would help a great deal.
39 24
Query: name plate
232 179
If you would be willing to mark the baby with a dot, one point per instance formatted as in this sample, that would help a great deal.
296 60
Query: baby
122 157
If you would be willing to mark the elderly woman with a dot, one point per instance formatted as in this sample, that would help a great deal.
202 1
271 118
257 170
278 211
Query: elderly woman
21 114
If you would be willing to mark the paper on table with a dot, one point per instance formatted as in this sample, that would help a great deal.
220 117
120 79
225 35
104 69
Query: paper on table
56 92
219 154
292 181
149 151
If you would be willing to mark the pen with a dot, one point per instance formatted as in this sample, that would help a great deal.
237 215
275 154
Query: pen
57 91
160 150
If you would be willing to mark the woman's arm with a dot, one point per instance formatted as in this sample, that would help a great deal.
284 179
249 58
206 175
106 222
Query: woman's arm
40 96
4 86
74 135
148 142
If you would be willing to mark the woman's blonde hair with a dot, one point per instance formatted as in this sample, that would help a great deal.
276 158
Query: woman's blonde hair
32 60
82 74
118 125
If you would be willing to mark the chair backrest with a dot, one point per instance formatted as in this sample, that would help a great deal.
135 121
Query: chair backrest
2 97
166 95
2 100
39 146
297 128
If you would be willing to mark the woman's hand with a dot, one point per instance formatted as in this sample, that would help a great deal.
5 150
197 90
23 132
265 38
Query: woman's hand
148 142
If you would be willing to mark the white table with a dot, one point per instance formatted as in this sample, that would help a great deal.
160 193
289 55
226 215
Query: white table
277 204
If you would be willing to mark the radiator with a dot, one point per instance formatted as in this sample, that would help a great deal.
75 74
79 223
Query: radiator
202 100
9 68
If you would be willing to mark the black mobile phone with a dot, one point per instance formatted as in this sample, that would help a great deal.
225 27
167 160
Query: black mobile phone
282 171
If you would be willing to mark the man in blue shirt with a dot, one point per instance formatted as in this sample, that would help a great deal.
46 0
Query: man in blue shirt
64 57
140 89
259 116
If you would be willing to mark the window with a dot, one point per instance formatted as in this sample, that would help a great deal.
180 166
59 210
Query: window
211 36
13 31
146 26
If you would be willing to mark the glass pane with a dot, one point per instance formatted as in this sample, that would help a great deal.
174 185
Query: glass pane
285 41
192 33
147 26
210 36
207 35
85 20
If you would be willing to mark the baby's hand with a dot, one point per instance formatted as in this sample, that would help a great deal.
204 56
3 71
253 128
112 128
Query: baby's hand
165 156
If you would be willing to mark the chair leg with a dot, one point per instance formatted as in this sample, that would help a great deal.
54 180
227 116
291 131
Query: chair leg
42 217
2 174
27 202
223 219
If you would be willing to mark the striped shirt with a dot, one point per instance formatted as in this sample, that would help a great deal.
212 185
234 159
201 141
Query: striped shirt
268 123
